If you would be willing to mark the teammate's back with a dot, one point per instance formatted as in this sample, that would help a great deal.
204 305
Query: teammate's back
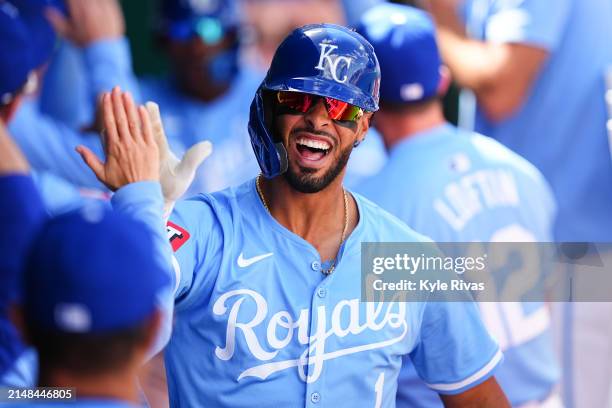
456 186
475 186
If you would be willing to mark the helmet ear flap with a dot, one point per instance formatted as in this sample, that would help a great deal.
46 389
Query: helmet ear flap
269 111
271 155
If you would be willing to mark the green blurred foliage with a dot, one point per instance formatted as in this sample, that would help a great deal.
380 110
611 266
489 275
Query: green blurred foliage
140 18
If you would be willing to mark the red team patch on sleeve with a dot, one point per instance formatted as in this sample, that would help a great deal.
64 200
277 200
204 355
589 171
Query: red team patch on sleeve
176 235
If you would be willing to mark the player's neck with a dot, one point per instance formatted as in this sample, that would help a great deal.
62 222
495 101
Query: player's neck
315 217
396 127
121 385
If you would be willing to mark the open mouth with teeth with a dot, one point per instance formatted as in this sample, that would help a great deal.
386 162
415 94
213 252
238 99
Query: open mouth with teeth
312 150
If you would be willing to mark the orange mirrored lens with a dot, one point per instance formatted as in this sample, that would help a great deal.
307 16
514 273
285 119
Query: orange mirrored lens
298 101
302 102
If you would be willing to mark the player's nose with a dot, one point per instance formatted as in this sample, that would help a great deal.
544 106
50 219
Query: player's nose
317 115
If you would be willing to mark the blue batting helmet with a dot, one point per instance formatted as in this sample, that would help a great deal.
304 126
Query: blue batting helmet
321 59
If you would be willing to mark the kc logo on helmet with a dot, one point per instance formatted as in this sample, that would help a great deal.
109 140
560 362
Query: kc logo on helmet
333 62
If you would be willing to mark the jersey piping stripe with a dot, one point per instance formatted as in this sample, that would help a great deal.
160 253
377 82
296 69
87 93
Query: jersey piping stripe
471 379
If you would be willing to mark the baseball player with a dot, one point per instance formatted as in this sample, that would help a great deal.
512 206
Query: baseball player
20 218
90 306
25 44
537 69
433 172
267 287
48 143
20 58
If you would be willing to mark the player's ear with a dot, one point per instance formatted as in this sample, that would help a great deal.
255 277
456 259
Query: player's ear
151 330
8 111
445 81
366 121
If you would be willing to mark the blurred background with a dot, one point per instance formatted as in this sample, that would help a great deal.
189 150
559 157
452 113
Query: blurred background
268 23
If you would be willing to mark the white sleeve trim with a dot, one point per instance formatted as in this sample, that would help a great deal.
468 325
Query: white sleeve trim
471 379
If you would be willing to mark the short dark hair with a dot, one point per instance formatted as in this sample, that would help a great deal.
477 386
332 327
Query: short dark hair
88 354
409 107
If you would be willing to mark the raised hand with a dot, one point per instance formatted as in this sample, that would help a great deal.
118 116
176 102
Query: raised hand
175 175
89 21
131 152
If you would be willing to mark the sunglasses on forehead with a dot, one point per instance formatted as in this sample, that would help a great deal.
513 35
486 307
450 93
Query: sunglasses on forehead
302 102
209 29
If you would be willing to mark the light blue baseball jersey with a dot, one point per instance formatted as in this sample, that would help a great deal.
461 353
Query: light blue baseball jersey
62 178
82 73
60 196
456 186
561 127
49 145
258 324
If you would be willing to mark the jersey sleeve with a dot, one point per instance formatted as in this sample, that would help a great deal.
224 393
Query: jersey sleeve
109 64
143 201
536 22
454 352
84 73
196 237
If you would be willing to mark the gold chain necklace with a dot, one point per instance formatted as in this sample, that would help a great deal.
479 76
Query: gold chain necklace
346 221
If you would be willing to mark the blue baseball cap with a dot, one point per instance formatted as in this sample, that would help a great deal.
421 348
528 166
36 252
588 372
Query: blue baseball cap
16 61
92 271
404 40
209 19
43 39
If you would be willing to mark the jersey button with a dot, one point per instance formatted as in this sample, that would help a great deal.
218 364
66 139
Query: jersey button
321 292
316 266
315 397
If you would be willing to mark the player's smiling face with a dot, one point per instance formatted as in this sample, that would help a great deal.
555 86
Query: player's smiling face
318 147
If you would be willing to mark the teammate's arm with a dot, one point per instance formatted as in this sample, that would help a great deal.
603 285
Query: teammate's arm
132 170
21 212
484 395
499 73
98 28
518 37
455 356
49 146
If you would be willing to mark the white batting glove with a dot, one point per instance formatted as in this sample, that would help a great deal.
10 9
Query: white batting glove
175 175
